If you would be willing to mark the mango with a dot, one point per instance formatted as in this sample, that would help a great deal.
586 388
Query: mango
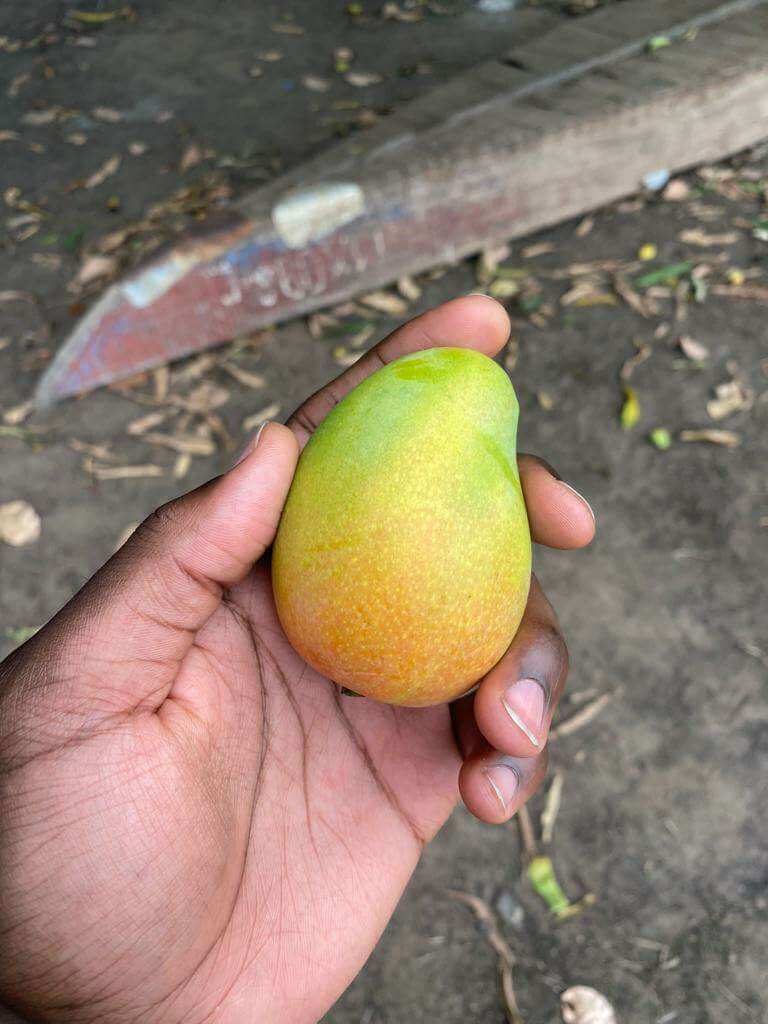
402 561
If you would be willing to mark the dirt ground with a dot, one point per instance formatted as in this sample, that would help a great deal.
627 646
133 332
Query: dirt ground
664 800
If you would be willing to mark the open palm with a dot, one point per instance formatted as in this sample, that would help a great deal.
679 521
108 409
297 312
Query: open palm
196 826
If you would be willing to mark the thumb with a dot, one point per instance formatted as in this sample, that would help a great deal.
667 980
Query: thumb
145 606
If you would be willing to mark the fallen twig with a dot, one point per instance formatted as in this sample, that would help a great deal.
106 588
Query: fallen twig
581 718
500 946
551 808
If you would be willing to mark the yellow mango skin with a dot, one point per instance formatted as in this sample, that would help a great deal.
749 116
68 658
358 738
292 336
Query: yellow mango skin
402 561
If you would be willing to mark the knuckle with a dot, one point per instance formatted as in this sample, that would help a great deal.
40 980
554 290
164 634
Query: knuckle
553 647
164 520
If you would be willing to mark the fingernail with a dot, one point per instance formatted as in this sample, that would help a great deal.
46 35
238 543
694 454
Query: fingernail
252 445
503 783
549 468
525 704
581 497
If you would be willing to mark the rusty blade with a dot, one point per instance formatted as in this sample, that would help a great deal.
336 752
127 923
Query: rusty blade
426 186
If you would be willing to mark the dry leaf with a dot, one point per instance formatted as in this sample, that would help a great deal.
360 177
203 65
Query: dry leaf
395 12
144 423
408 288
215 425
676 191
643 305
77 138
18 413
315 84
270 56
361 79
629 367
727 438
15 296
19 524
317 323
511 354
251 380
49 260
489 261
746 291
187 443
584 1005
269 412
137 148
161 377
107 114
15 87
385 302
588 293
695 236
122 472
107 169
682 295
361 337
255 71
94 267
38 118
585 227
8 136
287 28
193 155
344 357
181 465
203 399
530 252
195 368
126 534
693 349
342 58
730 397
581 269
97 451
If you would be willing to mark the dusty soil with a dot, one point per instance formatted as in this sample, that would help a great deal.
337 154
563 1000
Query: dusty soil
665 804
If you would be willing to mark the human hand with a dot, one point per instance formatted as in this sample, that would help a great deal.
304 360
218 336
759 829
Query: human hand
198 827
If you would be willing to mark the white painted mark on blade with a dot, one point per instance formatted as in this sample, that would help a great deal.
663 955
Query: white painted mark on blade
150 284
313 213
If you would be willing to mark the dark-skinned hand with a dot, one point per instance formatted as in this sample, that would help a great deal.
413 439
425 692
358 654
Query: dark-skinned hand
194 825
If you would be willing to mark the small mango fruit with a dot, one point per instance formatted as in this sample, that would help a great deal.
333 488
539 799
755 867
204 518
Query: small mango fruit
402 562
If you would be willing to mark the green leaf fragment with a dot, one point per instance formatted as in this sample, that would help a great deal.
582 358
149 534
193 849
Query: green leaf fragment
630 410
503 288
20 634
658 43
661 438
543 879
73 239
530 303
666 274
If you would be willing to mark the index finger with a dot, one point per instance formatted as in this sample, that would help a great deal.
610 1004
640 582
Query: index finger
475 321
